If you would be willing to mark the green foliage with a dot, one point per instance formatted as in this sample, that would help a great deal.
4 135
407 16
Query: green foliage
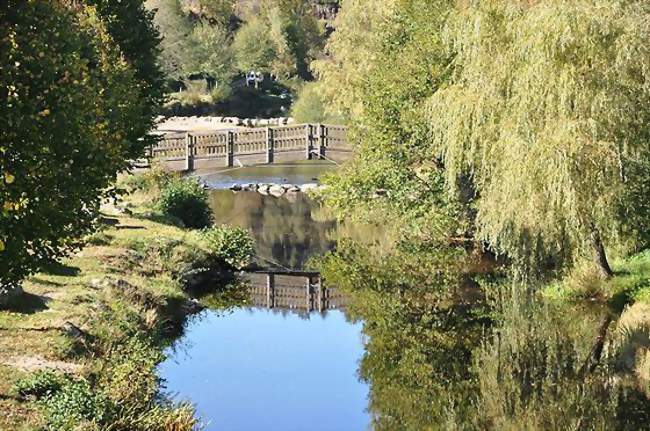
71 121
212 53
542 110
175 28
130 381
253 46
187 201
232 245
282 39
74 404
132 28
40 384
310 107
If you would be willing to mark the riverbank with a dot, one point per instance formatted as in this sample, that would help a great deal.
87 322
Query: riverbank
102 317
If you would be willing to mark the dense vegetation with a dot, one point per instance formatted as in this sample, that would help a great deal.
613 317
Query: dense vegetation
80 85
503 145
209 45
522 125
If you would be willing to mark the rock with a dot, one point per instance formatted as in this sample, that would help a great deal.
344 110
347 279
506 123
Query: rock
263 189
192 306
305 188
293 189
276 190
236 188
247 187
72 331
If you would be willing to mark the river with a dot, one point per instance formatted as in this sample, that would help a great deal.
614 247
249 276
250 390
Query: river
406 347
283 367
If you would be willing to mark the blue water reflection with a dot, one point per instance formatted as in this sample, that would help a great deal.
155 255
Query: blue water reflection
259 369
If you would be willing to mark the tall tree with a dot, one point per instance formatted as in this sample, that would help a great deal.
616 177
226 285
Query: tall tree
131 27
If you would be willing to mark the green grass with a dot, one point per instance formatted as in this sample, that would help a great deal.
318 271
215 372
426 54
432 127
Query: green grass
124 292
630 284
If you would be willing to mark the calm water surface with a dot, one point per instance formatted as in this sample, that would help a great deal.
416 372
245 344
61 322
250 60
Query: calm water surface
282 369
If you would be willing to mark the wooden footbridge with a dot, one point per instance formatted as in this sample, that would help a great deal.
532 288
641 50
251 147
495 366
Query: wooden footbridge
190 151
300 291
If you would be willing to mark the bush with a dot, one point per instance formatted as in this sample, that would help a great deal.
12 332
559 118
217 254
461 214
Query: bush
187 201
74 404
585 281
39 384
232 245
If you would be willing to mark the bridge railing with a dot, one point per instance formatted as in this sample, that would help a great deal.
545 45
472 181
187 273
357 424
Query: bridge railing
256 145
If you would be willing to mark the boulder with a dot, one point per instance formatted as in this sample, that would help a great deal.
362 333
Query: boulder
263 189
276 190
305 188
236 188
8 294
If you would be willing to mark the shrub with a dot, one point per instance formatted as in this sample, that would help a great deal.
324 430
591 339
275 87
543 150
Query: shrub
39 384
232 245
74 404
187 201
585 281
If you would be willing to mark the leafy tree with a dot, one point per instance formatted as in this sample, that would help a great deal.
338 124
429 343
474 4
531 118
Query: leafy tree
546 111
282 39
212 53
131 26
253 47
177 49
351 53
530 113
68 117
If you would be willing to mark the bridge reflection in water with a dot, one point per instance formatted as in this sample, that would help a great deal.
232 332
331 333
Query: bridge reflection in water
299 291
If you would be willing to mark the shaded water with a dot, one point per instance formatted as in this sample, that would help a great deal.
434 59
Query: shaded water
287 230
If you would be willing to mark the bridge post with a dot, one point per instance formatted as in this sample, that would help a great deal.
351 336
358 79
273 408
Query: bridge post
308 303
269 145
189 152
270 290
308 144
319 292
230 149
321 141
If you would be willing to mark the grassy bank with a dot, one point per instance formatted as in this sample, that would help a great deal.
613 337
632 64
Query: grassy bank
98 322
630 283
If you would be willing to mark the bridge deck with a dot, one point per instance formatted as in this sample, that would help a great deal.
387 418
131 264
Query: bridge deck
189 151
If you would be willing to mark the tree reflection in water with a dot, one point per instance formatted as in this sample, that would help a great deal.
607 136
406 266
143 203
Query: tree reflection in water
502 359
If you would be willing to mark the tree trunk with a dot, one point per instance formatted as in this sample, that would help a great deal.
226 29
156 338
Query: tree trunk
600 257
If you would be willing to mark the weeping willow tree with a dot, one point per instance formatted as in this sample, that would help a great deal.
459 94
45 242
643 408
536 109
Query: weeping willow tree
547 110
